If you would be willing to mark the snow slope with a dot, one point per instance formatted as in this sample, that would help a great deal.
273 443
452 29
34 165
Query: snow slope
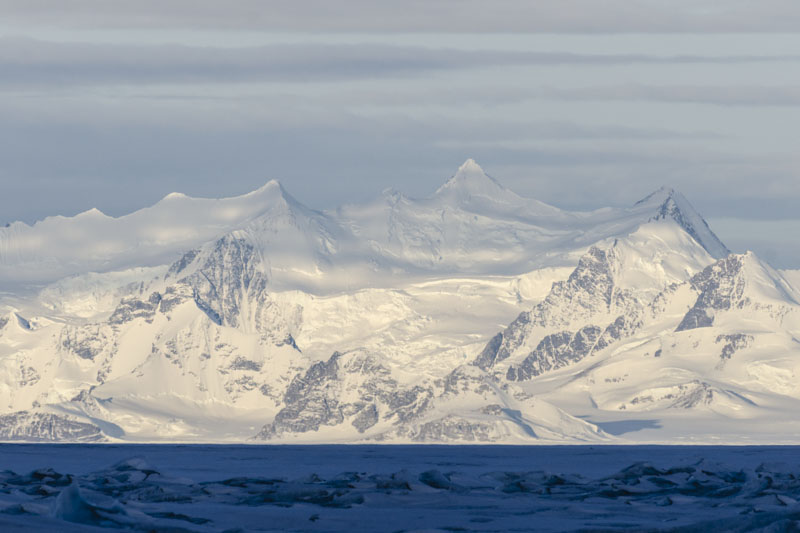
57 247
392 321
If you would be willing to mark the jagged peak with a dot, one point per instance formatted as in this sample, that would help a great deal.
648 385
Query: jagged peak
739 263
659 196
12 317
751 271
667 203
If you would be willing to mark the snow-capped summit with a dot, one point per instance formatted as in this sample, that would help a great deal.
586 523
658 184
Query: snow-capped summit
472 223
669 203
474 191
91 241
471 180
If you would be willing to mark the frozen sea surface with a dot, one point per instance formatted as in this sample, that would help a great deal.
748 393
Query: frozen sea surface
180 488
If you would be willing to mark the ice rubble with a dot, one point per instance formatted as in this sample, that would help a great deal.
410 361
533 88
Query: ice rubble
134 496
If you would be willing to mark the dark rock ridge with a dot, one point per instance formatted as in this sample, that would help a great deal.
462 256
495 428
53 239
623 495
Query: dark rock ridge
452 428
675 206
555 351
27 426
721 287
588 295
589 289
224 283
733 343
316 398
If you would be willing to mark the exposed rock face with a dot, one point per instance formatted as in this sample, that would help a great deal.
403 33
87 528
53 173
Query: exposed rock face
453 428
228 281
733 343
27 426
495 350
721 287
88 342
28 376
355 387
131 308
180 265
690 395
676 207
467 379
211 329
366 418
590 294
584 300
311 400
588 291
555 351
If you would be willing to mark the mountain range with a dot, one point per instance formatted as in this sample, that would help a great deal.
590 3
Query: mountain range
472 315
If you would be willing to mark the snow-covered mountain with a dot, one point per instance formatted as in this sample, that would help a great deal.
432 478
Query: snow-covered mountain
394 321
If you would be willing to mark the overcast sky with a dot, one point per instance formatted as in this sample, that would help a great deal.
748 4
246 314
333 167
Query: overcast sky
579 103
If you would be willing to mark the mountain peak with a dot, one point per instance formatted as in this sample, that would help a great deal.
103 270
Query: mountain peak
271 188
175 196
92 213
470 165
659 196
666 203
471 180
271 184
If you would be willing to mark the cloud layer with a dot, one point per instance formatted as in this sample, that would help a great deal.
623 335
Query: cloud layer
471 16
115 104
30 62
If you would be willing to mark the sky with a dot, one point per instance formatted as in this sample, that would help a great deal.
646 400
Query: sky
578 103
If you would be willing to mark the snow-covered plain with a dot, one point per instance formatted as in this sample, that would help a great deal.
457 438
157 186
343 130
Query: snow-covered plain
472 315
398 488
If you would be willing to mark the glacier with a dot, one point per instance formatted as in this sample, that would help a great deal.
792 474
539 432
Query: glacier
473 315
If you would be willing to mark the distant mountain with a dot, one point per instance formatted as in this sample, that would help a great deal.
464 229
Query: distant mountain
393 321
673 205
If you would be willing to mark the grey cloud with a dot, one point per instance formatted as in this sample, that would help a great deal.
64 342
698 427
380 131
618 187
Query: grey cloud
27 61
526 135
716 95
771 239
126 159
476 16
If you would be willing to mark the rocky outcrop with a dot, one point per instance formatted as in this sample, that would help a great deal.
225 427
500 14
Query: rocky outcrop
453 428
676 207
732 343
131 307
589 291
34 426
720 287
354 387
584 300
556 351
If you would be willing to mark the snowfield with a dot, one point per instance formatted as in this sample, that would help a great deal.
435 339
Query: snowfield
471 316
